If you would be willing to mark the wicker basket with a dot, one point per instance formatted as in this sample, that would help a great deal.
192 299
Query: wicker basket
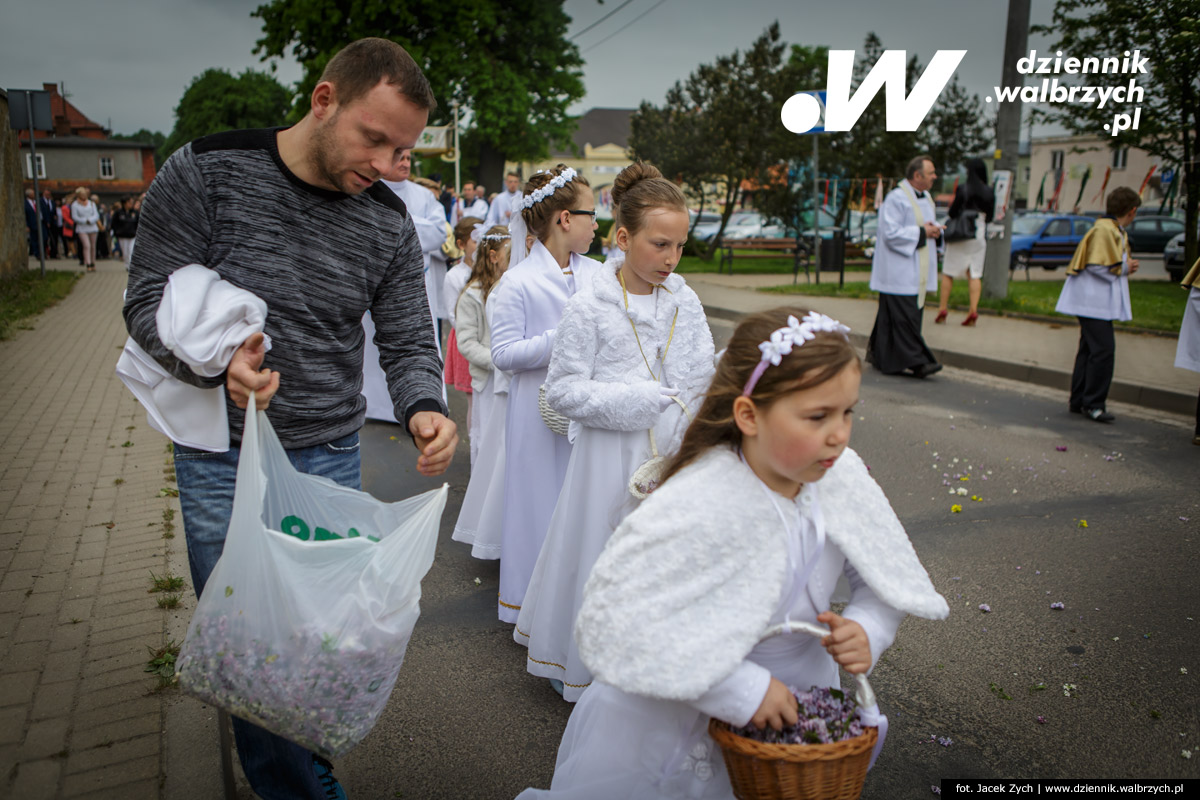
761 771
555 421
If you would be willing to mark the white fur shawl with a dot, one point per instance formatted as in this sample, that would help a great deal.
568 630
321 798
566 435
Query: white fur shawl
688 582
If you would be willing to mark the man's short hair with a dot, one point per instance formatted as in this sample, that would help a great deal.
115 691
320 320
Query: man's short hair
1121 201
514 174
359 67
915 166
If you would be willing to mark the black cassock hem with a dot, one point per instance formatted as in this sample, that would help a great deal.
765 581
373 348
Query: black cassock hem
896 344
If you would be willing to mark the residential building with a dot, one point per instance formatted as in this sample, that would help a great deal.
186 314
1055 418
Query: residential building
1069 158
79 152
601 140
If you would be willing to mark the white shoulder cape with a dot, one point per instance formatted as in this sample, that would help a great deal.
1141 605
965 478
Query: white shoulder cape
688 582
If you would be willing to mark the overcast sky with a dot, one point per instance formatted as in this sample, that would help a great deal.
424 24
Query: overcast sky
126 63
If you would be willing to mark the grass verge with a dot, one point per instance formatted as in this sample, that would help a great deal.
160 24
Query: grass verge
764 266
1157 305
27 294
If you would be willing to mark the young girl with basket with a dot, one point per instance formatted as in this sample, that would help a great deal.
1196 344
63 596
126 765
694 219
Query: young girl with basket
631 358
559 210
756 518
479 518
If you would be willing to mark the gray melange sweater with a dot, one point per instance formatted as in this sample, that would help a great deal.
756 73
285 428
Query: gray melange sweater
318 258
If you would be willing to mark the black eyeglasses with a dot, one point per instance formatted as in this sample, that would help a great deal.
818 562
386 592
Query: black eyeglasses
574 211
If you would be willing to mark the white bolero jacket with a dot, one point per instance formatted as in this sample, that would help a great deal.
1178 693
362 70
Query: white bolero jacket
474 336
597 376
689 581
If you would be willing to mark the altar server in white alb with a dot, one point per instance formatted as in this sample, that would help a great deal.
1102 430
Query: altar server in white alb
760 512
480 517
430 220
903 270
560 211
1097 292
631 360
501 210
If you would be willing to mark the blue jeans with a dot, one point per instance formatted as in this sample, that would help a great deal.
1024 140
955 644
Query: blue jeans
277 769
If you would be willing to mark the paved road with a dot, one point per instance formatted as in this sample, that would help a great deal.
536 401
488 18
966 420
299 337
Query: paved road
466 720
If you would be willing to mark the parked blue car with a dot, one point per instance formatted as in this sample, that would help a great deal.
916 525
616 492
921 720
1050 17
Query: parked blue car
1046 240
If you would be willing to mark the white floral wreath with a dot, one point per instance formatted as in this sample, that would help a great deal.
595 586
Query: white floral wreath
557 182
794 334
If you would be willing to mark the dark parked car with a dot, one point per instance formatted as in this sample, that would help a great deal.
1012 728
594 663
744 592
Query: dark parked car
1150 234
1046 240
1173 258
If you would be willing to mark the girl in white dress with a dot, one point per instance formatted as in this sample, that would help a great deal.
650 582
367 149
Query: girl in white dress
757 516
479 518
559 210
632 355
457 372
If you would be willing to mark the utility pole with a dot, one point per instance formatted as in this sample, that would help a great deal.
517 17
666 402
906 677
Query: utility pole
1008 138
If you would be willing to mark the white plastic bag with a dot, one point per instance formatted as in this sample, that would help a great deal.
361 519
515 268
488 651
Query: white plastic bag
303 624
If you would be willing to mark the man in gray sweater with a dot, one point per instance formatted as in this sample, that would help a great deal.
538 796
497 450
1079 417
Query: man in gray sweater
296 217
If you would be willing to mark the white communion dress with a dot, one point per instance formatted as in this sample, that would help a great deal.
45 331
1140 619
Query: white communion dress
607 381
669 652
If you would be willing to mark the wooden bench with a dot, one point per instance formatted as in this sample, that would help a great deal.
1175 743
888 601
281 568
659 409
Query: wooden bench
761 247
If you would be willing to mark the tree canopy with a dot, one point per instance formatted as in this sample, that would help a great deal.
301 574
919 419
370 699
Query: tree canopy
1168 33
216 101
508 64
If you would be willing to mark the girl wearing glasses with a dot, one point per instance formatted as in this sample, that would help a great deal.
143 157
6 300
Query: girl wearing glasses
631 358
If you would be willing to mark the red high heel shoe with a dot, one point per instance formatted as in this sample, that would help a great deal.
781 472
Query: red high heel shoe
970 320
941 318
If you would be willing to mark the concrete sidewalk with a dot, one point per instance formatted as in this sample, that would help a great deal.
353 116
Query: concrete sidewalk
81 533
1037 352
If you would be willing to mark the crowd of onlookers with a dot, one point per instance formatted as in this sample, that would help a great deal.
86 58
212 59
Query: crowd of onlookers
79 225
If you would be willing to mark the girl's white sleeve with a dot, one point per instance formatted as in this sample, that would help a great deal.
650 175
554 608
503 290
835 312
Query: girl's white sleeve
877 618
512 351
571 391
735 699
470 325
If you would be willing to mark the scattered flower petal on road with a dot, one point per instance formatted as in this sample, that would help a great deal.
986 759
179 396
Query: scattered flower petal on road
984 607
1058 606
1062 448
954 509
1083 523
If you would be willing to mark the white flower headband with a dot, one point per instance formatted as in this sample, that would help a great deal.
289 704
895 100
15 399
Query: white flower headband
794 334
494 237
557 182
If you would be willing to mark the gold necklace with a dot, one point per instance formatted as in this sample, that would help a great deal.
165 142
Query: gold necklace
638 339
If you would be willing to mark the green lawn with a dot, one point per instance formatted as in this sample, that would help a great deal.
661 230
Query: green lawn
1157 305
22 296
758 266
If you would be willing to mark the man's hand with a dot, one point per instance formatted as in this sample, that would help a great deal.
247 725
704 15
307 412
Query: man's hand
846 642
1133 265
243 375
436 436
933 230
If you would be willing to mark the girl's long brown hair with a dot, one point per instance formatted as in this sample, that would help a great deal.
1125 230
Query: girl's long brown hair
484 273
817 361
538 216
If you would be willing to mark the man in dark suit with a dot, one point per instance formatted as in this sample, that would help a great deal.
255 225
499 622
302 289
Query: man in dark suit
31 223
49 223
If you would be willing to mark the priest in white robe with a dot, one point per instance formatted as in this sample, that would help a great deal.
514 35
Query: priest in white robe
430 220
501 210
903 270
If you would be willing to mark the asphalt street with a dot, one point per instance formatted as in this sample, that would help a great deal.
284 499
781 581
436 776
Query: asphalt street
1104 519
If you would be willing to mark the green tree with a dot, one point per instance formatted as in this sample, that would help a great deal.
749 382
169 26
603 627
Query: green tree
143 136
508 64
731 110
1167 32
955 129
216 101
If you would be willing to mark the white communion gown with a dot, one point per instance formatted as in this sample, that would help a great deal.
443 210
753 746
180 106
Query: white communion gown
622 745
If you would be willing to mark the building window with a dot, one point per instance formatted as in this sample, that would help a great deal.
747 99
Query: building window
1120 155
1056 159
1028 170
106 168
41 165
